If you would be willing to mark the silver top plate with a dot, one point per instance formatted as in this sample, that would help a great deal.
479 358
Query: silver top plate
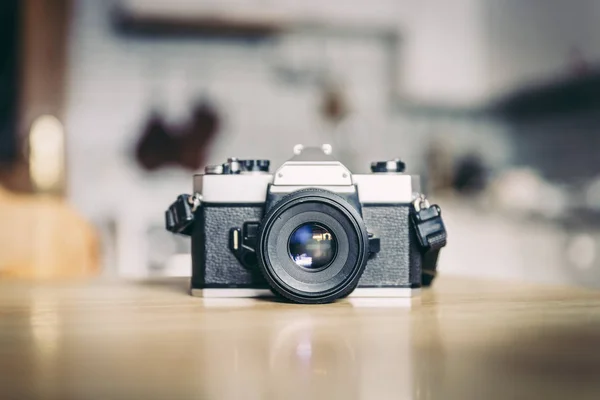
385 188
252 188
309 168
242 188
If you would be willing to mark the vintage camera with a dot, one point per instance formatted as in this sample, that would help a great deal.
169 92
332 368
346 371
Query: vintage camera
312 232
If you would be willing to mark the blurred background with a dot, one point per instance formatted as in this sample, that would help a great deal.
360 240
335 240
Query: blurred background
107 108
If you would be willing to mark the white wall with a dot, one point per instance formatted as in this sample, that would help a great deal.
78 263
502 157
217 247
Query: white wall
444 44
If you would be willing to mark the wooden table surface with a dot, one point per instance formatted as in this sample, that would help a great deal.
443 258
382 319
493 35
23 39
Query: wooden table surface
150 340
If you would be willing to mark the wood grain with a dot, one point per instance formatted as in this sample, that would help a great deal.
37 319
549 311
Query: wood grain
150 340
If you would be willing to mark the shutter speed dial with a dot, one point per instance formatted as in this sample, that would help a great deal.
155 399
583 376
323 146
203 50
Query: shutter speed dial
237 166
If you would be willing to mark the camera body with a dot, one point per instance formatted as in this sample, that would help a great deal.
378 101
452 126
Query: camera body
249 224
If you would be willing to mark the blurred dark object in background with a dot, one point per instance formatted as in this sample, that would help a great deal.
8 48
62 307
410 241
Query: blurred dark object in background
186 145
9 28
555 125
33 65
439 160
334 107
565 96
470 176
156 145
14 171
578 64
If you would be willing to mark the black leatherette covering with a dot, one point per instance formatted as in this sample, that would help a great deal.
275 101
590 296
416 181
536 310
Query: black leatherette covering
213 262
398 262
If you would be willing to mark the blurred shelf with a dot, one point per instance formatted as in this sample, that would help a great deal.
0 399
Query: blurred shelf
444 111
242 25
197 26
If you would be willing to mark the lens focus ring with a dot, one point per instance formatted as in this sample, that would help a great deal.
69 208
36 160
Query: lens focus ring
321 226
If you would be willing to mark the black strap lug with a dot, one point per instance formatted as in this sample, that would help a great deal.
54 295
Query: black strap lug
179 218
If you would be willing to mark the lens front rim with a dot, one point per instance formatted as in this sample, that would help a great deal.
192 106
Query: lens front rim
295 283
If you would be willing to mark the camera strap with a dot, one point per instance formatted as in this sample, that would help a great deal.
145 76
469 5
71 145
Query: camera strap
431 234
179 217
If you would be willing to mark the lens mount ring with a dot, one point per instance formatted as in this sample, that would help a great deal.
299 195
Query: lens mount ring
296 283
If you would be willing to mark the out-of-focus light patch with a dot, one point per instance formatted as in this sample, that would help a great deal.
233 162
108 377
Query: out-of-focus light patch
304 350
525 191
44 326
387 302
294 338
47 143
592 195
581 251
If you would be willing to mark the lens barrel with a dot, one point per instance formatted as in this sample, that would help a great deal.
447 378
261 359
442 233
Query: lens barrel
312 247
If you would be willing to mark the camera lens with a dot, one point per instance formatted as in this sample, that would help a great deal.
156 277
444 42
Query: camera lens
312 246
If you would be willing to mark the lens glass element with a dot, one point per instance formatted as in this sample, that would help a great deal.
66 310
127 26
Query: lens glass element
312 246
